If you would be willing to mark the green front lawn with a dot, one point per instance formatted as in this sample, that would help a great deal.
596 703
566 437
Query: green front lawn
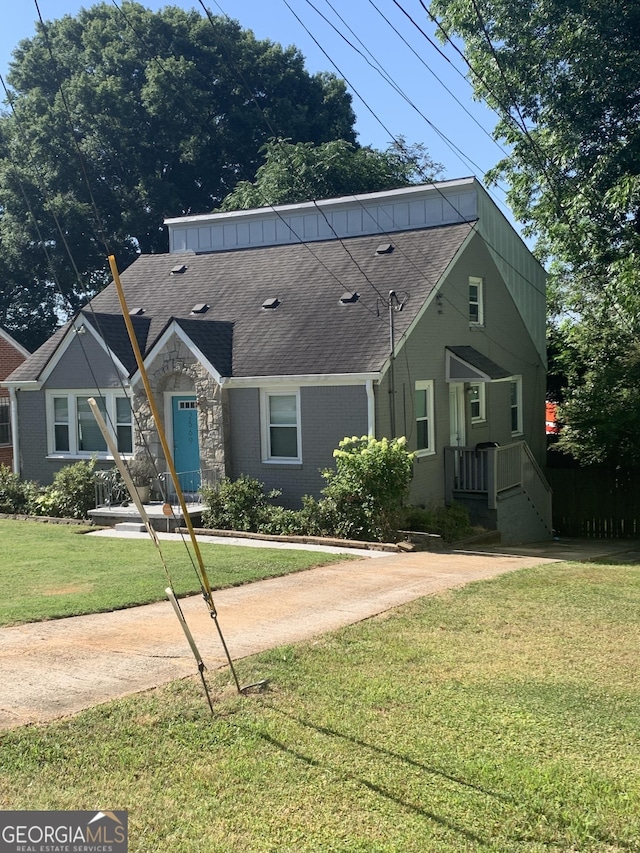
500 717
52 570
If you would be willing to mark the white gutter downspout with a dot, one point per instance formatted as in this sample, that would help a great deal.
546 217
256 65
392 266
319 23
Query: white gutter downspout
14 429
371 408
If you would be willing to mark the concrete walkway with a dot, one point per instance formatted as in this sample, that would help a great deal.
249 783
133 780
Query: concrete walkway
57 668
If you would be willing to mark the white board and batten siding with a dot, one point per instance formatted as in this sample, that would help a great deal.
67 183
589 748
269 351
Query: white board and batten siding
405 209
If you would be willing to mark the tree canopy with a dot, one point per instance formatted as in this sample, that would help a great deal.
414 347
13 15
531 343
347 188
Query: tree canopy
302 171
117 119
564 79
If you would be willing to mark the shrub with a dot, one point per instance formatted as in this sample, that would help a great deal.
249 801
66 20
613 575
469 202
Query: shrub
362 499
279 521
368 486
240 504
16 495
71 495
450 522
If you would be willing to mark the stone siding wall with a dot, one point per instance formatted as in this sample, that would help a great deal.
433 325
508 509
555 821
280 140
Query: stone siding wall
175 370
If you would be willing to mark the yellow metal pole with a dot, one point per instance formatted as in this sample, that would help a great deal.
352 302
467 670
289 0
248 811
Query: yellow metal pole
163 440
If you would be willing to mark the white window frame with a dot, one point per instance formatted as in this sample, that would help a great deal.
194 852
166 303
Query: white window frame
476 304
517 382
72 396
481 400
430 449
265 426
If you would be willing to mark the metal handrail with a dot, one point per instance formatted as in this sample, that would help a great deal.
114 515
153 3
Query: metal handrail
110 488
191 483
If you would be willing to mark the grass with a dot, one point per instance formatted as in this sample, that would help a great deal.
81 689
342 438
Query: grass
501 717
50 570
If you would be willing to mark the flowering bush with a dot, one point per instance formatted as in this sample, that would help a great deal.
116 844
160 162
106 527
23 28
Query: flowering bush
362 499
368 487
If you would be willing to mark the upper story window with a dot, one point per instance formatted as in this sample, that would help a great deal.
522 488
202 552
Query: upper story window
516 405
476 301
281 440
477 402
5 421
73 430
425 438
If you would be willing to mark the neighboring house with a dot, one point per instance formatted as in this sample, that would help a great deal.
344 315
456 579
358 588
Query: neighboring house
12 354
268 335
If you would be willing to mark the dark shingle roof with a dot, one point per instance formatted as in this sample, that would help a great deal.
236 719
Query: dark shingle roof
310 331
480 362
214 339
31 369
113 330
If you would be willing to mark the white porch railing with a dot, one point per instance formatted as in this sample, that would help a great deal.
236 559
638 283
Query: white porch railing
494 470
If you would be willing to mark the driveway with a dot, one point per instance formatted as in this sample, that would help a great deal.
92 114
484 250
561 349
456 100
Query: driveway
57 668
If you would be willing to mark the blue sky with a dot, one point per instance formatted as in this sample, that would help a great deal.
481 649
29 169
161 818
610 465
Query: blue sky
422 111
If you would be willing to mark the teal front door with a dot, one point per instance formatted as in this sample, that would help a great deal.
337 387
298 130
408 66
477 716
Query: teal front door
186 450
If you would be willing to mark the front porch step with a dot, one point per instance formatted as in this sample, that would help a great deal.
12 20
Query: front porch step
129 527
116 516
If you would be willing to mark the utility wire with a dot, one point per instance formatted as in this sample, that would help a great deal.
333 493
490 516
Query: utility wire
442 83
539 155
444 197
96 212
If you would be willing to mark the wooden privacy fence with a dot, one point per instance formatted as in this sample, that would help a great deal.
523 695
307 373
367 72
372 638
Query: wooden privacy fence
595 502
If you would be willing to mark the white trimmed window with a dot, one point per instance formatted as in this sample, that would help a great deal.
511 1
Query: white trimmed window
73 430
476 301
477 402
281 441
515 387
425 441
5 421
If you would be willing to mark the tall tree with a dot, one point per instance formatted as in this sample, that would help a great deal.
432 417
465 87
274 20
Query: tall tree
117 119
564 78
302 171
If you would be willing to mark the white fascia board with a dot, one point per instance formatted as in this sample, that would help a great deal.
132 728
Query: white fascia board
21 385
436 290
327 203
7 337
308 379
175 329
72 331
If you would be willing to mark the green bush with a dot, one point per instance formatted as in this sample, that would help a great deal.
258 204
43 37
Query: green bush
240 504
278 521
16 495
71 495
368 486
362 499
450 522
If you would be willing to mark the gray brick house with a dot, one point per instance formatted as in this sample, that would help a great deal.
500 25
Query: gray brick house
268 335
